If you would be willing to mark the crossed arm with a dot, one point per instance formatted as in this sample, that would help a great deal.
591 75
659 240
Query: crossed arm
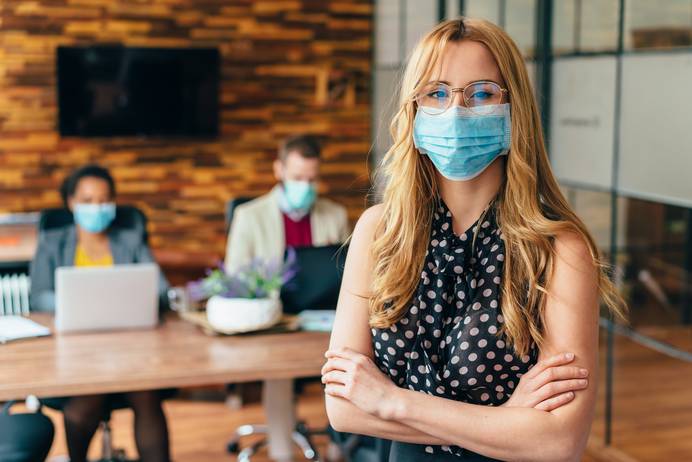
544 419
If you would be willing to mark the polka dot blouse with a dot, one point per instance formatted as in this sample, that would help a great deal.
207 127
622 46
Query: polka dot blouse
447 344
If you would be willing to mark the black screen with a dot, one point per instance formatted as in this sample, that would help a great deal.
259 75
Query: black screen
119 91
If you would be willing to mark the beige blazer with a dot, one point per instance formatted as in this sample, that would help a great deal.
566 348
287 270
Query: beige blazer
257 229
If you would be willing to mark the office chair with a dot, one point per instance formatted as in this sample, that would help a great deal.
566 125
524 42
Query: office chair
126 217
231 206
304 292
24 437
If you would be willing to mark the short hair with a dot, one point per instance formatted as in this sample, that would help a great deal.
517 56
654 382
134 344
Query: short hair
305 145
69 185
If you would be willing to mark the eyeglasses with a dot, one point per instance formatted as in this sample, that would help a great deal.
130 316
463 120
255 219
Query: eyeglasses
436 97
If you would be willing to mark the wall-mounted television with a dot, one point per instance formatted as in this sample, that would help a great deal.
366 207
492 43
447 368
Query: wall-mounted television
106 91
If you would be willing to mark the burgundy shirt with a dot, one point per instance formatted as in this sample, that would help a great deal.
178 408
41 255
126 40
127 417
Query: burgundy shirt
298 233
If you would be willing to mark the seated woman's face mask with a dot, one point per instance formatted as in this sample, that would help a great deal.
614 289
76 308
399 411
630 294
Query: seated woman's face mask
94 218
461 143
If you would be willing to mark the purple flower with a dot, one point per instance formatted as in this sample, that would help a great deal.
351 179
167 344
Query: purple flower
257 279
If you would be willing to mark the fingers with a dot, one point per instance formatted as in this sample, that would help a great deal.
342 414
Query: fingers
555 402
559 387
335 377
337 364
556 360
558 373
345 353
337 390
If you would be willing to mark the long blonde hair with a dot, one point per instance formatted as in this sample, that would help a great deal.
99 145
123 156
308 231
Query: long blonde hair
531 209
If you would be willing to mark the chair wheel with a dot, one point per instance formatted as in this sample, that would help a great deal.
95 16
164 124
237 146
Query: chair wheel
233 448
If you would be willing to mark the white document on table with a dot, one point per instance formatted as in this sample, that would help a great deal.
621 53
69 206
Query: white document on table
18 327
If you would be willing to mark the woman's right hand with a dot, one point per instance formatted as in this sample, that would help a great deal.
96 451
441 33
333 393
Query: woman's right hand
549 384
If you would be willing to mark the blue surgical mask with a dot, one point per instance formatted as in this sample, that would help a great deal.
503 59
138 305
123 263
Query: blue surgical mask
462 143
94 218
297 198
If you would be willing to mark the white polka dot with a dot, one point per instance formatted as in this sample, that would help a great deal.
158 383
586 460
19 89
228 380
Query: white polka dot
489 378
464 345
508 358
385 336
485 397
438 308
473 357
400 343
393 372
458 269
472 381
429 449
437 333
493 304
391 351
490 355
474 331
409 334
492 329
463 370
476 306
431 294
500 257
490 269
480 368
487 292
429 319
482 343
484 317
454 360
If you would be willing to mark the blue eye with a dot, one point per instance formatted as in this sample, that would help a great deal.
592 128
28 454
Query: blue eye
439 93
481 95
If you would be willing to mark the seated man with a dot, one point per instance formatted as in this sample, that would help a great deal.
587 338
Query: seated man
291 214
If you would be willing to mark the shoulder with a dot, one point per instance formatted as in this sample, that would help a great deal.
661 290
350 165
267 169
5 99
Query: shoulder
258 205
572 250
56 237
367 223
324 205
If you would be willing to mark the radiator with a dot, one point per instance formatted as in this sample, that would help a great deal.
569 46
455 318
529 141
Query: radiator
14 294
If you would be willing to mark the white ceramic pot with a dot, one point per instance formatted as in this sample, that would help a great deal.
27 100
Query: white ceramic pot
235 315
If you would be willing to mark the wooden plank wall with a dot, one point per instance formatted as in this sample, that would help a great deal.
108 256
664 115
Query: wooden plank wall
288 66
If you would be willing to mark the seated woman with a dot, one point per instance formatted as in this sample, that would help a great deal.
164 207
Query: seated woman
89 193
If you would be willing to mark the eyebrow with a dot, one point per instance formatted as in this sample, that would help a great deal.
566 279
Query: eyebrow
467 83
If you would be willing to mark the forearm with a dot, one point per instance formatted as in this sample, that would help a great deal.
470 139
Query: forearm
345 417
506 433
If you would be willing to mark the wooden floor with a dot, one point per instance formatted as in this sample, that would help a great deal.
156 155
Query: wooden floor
652 416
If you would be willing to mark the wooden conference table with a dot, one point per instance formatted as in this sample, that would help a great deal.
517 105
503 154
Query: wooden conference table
176 354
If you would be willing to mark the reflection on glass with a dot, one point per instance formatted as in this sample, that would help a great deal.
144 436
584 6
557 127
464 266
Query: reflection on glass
520 24
563 27
657 256
598 26
485 9
658 24
593 207
585 26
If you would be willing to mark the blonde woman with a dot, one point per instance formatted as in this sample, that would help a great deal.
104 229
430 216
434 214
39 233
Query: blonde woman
467 325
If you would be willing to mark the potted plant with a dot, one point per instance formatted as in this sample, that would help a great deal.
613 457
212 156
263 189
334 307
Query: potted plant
247 299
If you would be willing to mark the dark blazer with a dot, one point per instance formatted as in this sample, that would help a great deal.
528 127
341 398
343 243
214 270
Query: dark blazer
56 248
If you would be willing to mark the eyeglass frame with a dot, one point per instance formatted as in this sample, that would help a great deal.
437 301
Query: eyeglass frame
462 90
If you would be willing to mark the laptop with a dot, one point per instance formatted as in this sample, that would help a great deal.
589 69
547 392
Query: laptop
106 298
318 280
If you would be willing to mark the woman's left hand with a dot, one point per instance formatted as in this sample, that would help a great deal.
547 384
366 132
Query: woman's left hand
353 376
